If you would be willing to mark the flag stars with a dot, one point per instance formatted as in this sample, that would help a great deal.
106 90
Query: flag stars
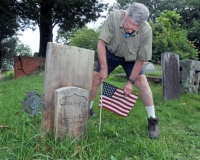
108 90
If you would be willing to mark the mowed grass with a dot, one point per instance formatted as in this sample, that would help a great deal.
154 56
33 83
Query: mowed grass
119 138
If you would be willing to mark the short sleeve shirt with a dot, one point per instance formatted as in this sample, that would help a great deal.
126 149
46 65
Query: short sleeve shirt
138 45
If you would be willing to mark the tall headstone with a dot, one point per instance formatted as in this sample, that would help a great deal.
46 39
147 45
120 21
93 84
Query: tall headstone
190 76
65 66
71 111
170 75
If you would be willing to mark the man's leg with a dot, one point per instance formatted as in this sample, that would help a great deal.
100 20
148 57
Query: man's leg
147 98
112 62
146 94
143 86
95 85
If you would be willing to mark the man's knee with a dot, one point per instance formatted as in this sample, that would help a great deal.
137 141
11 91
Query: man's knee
141 81
96 78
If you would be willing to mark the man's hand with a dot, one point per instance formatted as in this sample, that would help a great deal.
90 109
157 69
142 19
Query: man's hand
103 74
128 88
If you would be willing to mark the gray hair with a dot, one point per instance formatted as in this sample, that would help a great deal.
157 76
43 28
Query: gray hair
138 13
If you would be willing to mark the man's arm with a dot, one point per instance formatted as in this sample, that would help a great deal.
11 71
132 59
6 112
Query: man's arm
134 74
101 47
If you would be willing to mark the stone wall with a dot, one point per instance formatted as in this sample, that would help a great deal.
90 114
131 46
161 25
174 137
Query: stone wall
27 65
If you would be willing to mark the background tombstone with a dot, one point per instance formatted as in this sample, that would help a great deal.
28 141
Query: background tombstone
149 67
64 66
71 111
170 75
190 78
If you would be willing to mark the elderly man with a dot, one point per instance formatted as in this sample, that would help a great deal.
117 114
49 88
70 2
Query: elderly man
126 40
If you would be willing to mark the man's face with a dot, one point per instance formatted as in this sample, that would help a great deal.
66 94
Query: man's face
129 27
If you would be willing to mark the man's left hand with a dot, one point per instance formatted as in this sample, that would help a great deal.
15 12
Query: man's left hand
128 88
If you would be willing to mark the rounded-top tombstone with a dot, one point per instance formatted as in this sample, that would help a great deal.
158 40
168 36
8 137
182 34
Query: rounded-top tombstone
71 111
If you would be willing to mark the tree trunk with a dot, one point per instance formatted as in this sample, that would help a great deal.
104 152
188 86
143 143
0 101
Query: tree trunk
0 60
0 56
45 27
46 36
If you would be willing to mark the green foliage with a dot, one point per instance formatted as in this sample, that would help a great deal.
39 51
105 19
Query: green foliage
23 50
8 25
8 28
9 75
191 21
8 46
12 47
85 38
169 37
4 65
63 37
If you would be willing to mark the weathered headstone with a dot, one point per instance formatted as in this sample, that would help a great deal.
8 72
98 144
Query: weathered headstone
65 66
149 67
71 111
2 76
190 76
170 75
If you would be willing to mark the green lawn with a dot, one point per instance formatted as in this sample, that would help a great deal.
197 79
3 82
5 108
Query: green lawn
119 139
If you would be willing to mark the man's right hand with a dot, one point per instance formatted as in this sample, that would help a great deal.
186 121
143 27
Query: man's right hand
103 74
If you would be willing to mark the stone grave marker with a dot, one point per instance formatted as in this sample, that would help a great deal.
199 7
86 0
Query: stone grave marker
170 75
190 76
71 111
65 66
149 67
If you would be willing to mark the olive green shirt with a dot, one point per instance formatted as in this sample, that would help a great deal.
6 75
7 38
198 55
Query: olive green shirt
138 46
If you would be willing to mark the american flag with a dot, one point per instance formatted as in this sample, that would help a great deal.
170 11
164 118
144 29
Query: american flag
113 99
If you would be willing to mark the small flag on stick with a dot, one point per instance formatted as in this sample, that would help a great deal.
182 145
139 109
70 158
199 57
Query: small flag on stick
113 99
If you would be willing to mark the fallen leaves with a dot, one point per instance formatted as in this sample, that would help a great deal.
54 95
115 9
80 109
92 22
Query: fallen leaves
5 127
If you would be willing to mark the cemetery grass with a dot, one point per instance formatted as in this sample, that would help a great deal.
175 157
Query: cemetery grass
119 138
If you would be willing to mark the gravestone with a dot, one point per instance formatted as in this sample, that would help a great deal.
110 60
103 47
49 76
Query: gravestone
65 66
170 76
190 76
149 67
2 76
71 111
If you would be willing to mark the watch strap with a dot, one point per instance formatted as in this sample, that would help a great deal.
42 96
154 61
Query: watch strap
132 81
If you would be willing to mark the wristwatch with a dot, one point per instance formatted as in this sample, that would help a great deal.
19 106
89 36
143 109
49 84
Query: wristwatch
132 81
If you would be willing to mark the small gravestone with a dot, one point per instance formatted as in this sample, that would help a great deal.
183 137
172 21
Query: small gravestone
71 111
170 75
149 67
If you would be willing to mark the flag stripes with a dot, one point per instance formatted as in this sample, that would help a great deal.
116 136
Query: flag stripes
113 99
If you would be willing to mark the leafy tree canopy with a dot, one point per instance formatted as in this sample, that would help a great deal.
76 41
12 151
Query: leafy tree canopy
85 38
8 27
66 14
169 37
80 37
22 49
